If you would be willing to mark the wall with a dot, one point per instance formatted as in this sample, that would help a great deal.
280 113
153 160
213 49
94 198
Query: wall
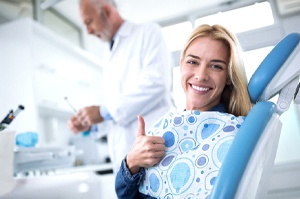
39 69
16 76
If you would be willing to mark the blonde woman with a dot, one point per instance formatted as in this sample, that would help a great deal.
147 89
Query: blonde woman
181 155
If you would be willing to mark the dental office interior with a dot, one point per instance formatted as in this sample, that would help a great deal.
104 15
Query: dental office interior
45 49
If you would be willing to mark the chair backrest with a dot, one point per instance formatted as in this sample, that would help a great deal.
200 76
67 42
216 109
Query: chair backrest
247 168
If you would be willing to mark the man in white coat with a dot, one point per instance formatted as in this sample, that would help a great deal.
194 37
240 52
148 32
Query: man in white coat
137 77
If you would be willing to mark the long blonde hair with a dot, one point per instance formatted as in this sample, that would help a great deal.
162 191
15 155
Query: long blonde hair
235 96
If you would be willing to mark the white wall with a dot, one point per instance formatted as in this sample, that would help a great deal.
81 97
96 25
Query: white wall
39 69
16 76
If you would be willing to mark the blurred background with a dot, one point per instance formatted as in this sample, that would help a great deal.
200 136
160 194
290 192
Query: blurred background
47 56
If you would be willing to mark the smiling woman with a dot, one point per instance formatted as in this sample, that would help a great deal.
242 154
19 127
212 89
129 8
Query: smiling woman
204 73
224 63
180 156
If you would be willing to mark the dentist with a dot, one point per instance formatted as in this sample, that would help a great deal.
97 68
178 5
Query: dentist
137 77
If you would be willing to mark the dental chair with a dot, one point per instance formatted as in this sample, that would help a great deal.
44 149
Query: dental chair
247 168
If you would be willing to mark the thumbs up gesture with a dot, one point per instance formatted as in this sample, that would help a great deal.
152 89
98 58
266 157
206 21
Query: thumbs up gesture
146 150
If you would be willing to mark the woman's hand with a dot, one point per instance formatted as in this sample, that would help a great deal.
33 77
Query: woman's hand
146 150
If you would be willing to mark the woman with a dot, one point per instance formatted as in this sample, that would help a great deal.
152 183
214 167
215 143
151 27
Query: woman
179 160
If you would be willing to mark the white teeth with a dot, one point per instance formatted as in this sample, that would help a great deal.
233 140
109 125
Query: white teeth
200 88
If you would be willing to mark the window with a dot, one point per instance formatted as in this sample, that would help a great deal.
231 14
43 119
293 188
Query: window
242 19
62 26
176 35
52 19
253 58
238 20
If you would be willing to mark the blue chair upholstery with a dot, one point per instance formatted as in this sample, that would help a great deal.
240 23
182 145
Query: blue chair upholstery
271 65
261 115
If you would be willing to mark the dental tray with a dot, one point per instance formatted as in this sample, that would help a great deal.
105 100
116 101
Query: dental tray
43 158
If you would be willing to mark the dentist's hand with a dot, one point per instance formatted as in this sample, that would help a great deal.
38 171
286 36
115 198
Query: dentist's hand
84 119
146 150
76 126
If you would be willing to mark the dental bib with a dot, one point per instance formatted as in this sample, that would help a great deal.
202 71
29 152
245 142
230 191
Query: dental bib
196 144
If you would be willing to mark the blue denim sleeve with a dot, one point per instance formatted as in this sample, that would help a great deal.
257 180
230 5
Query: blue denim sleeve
127 185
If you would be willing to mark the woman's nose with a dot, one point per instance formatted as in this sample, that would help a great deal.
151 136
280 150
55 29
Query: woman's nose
202 74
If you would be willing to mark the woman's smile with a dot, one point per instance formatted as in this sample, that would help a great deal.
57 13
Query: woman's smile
200 88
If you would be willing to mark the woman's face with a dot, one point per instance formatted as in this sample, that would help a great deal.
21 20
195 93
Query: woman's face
204 73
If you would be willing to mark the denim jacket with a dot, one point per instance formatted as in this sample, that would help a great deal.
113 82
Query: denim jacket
127 185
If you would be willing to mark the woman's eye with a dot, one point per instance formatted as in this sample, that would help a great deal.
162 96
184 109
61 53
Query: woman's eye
191 62
217 66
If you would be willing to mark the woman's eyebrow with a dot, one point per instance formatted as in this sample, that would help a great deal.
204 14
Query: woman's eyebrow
193 56
213 60
218 60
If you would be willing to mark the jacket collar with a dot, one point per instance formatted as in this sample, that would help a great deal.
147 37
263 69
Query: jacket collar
124 31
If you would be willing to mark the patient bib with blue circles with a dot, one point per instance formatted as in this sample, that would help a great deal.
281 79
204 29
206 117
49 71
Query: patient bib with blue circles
196 144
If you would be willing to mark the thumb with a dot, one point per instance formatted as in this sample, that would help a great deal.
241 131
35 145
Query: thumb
141 126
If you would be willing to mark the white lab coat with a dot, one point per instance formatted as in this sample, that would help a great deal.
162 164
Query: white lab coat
137 81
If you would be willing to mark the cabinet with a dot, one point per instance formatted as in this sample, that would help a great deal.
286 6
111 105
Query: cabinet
39 69
62 70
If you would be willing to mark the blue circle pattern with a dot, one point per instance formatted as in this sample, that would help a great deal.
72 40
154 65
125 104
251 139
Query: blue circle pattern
196 145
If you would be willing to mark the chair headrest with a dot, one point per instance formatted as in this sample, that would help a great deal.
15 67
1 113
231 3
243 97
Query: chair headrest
260 81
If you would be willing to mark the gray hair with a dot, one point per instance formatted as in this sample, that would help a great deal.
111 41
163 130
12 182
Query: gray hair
98 3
